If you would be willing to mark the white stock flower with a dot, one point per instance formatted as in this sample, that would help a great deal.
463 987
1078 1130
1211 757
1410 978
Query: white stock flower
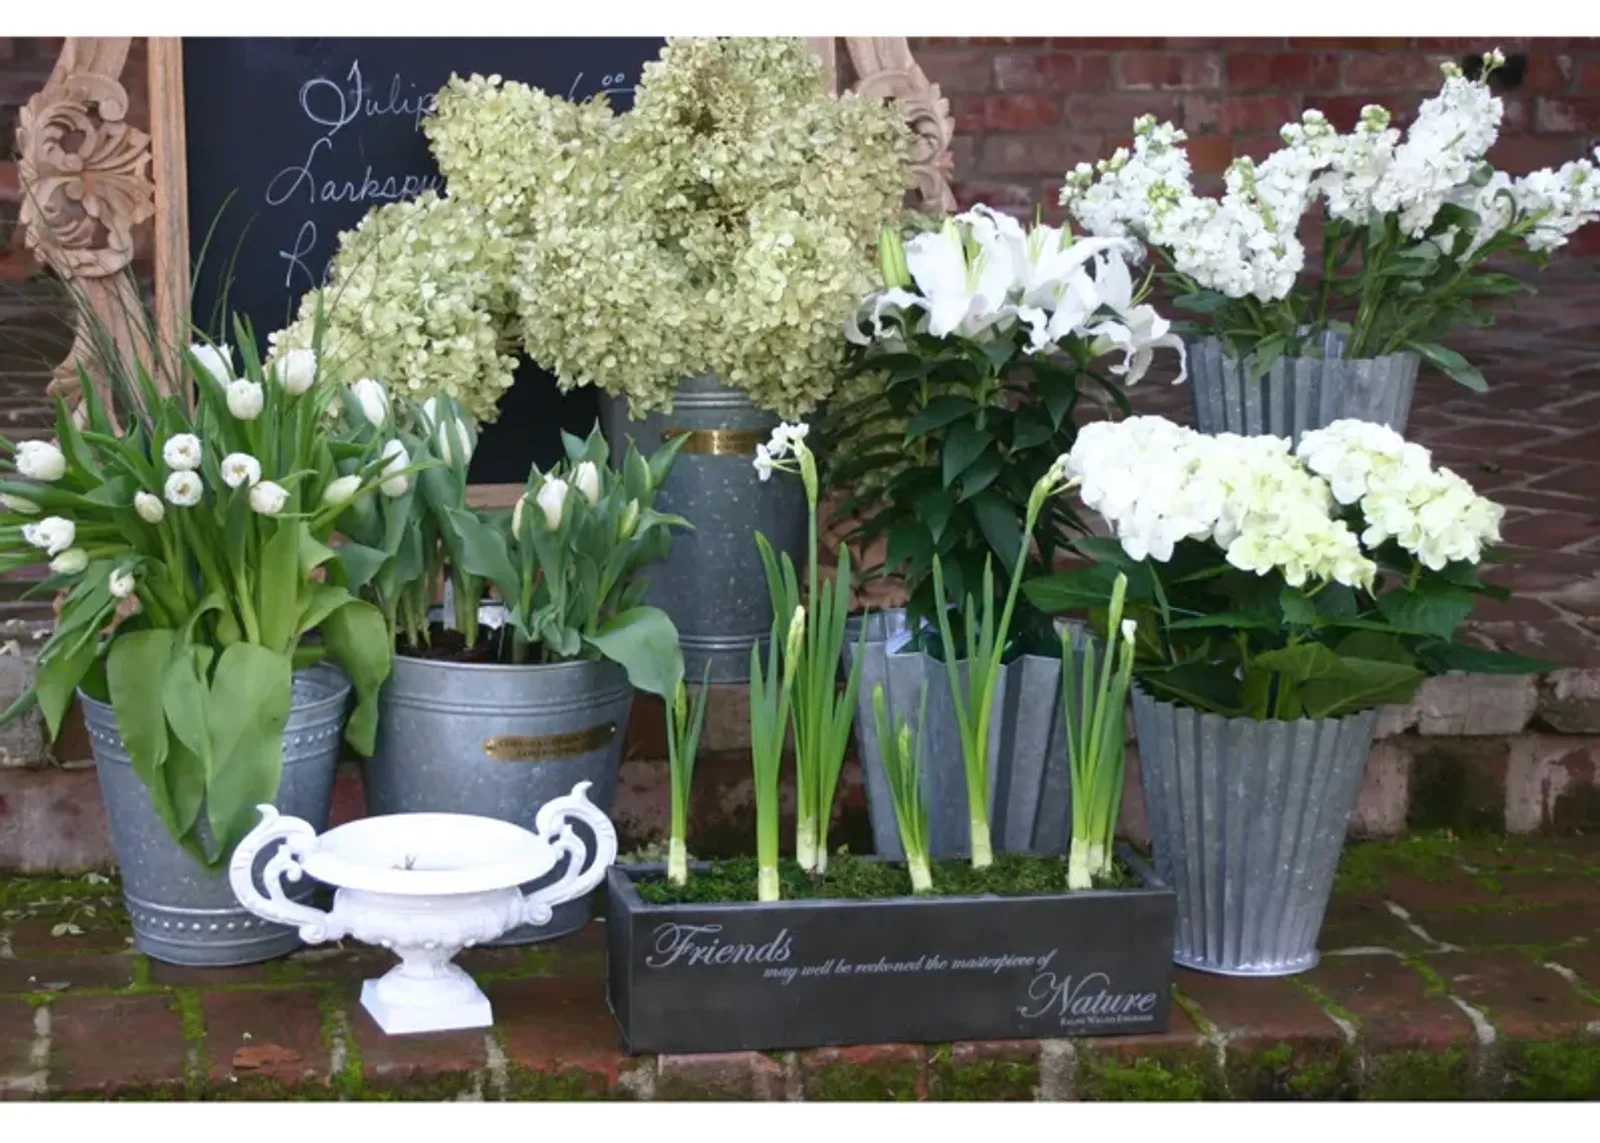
20 505
121 583
268 498
552 498
240 468
149 507
341 490
70 562
296 370
373 399
586 479
216 360
54 534
184 488
182 452
245 399
397 461
41 460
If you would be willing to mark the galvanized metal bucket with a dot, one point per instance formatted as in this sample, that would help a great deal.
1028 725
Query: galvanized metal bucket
1030 790
712 583
499 741
1247 820
1298 394
181 913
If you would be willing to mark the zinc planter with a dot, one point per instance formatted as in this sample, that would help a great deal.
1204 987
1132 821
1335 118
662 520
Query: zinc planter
499 741
753 976
1030 779
181 913
712 583
1298 394
1247 820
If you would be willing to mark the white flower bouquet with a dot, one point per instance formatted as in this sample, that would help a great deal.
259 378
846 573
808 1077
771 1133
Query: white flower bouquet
1274 584
1410 225
978 342
192 550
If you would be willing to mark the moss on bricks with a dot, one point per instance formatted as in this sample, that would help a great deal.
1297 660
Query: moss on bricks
982 1080
446 1087
1418 1074
556 1085
859 1083
1285 1071
1566 1069
1158 1077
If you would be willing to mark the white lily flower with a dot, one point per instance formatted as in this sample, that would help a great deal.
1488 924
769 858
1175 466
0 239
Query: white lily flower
1073 307
245 399
20 506
964 285
552 499
268 498
121 583
1051 260
149 507
54 534
240 468
70 562
398 460
182 452
296 371
341 490
41 460
373 399
184 488
217 360
586 479
1141 330
885 302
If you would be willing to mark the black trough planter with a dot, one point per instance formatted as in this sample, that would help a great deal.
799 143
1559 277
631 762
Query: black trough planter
798 974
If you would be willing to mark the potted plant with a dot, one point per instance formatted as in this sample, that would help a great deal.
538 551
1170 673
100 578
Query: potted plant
202 622
983 335
766 954
1280 598
1412 228
500 706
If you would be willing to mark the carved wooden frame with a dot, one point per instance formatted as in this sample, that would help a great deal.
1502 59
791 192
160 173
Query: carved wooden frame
89 178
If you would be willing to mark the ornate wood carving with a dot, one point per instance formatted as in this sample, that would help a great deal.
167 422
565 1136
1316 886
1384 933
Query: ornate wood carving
885 68
85 183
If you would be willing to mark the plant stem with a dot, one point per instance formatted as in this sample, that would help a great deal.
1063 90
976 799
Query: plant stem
921 875
677 859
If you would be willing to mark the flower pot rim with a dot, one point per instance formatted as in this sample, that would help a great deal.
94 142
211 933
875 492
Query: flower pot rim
507 668
338 698
1140 692
1205 340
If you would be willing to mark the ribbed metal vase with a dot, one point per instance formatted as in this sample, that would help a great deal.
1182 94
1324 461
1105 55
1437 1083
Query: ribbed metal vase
1247 820
181 913
499 741
712 583
1298 394
1030 779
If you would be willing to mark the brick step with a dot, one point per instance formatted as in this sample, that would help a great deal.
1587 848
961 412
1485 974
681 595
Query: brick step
1452 970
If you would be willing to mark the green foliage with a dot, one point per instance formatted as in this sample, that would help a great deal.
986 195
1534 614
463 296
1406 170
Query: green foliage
902 765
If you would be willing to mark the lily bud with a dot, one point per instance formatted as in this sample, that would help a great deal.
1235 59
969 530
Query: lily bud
516 516
892 259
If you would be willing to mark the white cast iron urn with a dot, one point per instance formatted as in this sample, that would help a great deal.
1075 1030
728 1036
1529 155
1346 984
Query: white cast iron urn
425 886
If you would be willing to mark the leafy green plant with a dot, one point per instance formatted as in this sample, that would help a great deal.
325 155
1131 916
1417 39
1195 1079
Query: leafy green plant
771 694
902 765
684 724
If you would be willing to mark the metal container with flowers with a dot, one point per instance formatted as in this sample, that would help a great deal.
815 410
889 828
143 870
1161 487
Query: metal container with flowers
766 953
206 622
1415 230
1281 596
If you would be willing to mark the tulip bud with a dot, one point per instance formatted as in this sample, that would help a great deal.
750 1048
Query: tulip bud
121 583
794 644
54 534
217 360
296 371
244 399
70 562
182 452
586 478
892 259
20 506
373 399
341 490
184 489
552 499
268 498
41 460
240 468
629 521
516 516
399 460
149 507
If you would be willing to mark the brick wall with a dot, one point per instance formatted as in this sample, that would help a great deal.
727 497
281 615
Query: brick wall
25 64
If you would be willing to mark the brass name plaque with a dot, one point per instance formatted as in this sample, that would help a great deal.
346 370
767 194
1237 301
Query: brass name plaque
545 747
718 442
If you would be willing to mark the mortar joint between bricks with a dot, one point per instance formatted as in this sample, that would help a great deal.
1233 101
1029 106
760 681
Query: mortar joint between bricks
1058 1070
496 1066
1216 1039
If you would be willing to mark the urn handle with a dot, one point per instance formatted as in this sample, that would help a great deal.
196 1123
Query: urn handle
585 867
298 837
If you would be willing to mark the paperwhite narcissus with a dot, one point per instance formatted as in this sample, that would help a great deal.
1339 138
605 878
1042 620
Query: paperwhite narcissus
398 460
296 371
373 399
341 490
54 534
149 507
41 460
240 468
20 506
586 478
182 452
216 360
70 562
552 499
120 583
245 399
183 489
268 498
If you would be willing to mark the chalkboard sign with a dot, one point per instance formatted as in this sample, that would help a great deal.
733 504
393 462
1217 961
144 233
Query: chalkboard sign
291 141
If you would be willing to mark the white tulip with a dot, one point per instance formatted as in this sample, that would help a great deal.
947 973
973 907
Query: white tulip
629 521
245 399
149 507
516 516
463 447
296 371
54 534
268 498
240 468
341 490
41 460
430 411
586 478
182 452
20 506
183 489
121 583
70 562
552 498
373 399
398 460
216 360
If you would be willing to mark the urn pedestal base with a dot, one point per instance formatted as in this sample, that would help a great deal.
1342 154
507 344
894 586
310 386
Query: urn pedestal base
453 1002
